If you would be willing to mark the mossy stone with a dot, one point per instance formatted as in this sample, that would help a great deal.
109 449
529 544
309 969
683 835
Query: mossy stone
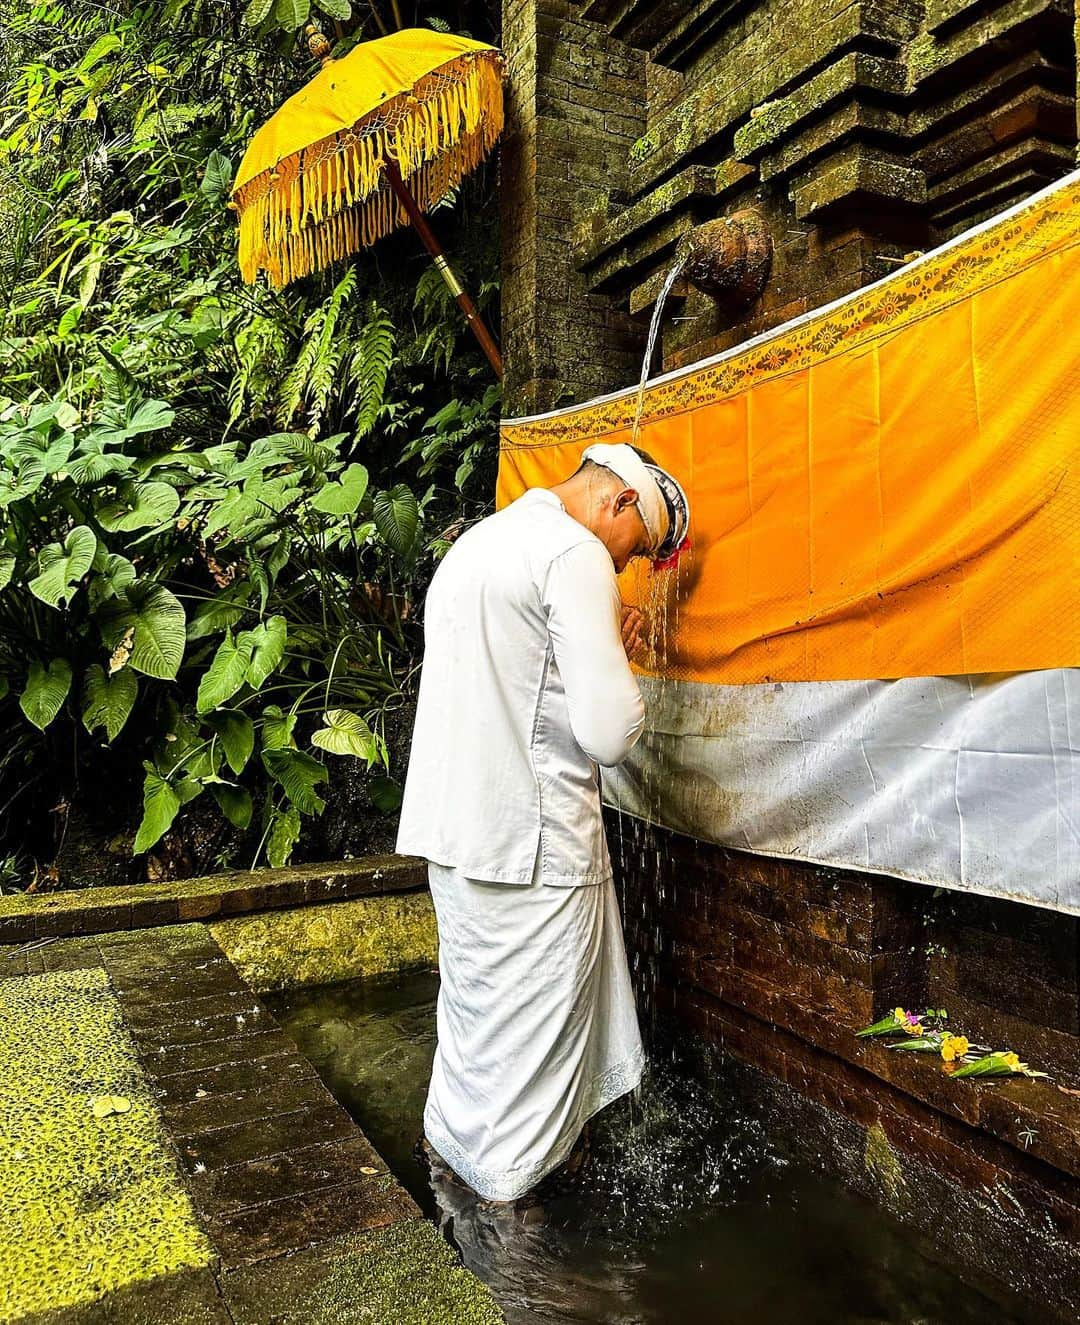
88 1204
314 945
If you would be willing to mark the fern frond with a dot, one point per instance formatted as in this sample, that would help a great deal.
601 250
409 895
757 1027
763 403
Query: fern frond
369 368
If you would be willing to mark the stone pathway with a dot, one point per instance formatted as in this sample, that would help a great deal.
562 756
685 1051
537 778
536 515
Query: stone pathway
306 1222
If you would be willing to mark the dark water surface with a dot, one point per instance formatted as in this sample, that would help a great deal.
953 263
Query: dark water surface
687 1211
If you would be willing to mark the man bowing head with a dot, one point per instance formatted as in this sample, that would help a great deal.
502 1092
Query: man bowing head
526 689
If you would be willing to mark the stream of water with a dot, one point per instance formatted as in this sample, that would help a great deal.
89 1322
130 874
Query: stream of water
687 1211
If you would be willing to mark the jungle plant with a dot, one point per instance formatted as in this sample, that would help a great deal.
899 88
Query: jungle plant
218 503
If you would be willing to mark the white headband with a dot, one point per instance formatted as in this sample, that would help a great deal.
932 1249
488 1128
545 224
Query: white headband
625 461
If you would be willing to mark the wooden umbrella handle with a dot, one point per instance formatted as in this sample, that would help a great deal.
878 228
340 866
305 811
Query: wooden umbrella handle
464 302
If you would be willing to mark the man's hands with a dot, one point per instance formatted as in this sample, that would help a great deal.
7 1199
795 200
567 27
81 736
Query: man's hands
633 623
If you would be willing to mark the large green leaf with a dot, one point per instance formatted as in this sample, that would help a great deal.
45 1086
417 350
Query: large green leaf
62 565
161 804
298 775
51 452
277 728
45 691
385 794
397 518
292 13
217 176
235 803
346 733
342 498
112 575
93 466
23 481
140 506
223 610
339 9
119 423
257 11
284 834
7 569
267 649
108 700
156 620
237 735
226 674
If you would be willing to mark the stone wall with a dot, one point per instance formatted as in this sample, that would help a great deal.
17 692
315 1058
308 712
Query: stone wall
860 132
776 964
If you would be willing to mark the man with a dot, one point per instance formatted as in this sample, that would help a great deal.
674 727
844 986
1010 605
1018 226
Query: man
526 689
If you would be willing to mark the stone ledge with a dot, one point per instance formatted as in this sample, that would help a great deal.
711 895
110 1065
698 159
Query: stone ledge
1031 1116
147 905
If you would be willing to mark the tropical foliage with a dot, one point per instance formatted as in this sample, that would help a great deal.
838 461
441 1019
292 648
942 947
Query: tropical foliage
218 503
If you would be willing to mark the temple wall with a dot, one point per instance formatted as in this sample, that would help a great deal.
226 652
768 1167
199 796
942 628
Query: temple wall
860 132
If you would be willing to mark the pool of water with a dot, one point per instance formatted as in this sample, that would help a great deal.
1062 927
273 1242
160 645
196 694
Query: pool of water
687 1210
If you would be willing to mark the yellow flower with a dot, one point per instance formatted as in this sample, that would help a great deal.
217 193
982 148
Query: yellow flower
954 1047
1013 1061
907 1021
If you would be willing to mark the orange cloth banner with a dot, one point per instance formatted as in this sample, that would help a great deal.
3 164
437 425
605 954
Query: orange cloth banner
887 487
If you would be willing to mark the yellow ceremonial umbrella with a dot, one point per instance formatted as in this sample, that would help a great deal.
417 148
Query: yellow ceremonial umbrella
374 140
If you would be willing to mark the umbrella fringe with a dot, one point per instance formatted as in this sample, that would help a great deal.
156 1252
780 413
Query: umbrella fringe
332 199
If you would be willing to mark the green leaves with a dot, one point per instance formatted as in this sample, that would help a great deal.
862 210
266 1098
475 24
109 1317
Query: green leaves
298 774
217 176
156 620
161 805
397 518
45 692
292 13
226 674
238 581
248 659
235 803
346 733
257 12
108 700
385 794
62 565
344 496
267 649
140 506
237 734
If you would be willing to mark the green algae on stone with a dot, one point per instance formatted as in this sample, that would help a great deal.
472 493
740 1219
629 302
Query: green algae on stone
402 1275
87 1205
882 1163
315 945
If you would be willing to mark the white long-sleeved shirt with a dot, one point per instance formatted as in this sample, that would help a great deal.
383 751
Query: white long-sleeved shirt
525 690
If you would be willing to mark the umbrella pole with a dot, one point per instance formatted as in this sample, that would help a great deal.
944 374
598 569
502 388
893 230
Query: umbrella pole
476 323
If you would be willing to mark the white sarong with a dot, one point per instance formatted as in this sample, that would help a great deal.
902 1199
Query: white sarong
537 1028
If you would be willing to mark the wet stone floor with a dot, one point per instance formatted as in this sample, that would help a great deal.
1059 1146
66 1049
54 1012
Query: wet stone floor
687 1210
167 1154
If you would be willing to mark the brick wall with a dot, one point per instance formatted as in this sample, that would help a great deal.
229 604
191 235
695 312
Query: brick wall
861 131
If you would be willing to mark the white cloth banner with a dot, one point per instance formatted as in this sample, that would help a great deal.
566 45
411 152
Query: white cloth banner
969 782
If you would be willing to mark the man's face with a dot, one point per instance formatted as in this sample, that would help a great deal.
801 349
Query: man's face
626 536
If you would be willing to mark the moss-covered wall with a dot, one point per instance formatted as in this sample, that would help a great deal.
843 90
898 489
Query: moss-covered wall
311 945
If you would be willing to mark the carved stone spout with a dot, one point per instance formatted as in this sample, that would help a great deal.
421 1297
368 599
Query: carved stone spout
728 258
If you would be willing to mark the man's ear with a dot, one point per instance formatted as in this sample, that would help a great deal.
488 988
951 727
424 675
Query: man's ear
628 497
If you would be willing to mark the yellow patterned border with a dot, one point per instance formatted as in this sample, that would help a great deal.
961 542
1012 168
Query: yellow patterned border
1040 228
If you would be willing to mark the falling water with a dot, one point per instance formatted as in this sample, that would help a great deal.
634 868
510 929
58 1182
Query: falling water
654 328
658 597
